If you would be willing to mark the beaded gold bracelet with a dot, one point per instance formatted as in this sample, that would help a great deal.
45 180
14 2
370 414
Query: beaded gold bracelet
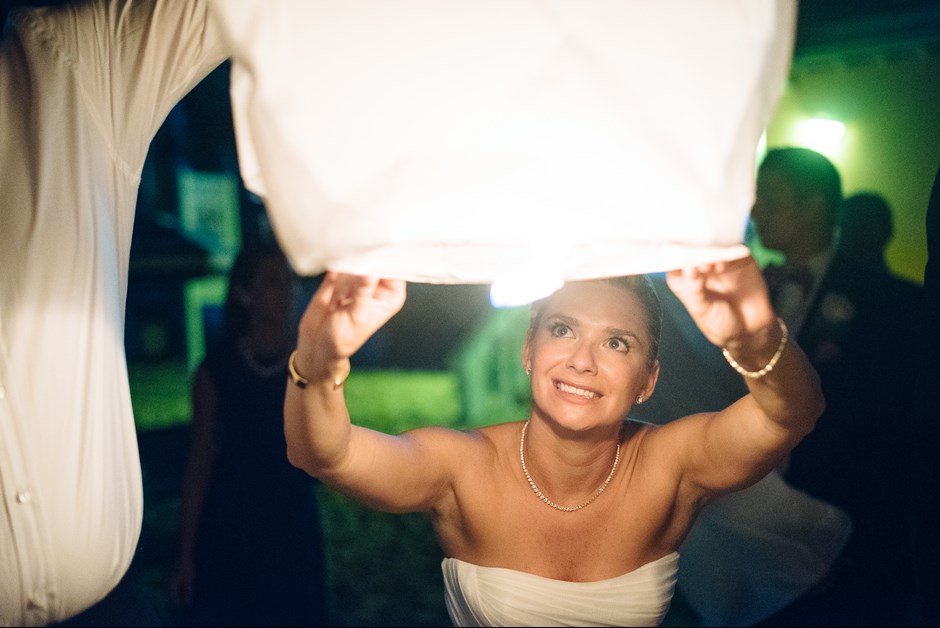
301 382
770 365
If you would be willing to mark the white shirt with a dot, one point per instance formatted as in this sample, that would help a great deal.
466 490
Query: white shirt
83 90
793 302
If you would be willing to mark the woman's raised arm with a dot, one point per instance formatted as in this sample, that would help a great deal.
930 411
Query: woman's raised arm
739 445
392 473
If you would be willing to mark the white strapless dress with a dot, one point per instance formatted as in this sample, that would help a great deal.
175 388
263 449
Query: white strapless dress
493 596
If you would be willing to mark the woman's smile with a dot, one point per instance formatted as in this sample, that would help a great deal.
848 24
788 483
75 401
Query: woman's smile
578 391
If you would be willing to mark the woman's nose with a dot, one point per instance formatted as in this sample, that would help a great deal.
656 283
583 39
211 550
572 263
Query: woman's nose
582 358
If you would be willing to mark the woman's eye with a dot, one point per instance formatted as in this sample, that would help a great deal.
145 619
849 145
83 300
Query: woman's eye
560 330
618 344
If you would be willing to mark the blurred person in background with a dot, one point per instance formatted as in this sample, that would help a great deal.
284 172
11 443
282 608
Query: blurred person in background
251 550
859 327
866 226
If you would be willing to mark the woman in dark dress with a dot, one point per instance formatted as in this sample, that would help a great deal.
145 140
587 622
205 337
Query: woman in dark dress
251 548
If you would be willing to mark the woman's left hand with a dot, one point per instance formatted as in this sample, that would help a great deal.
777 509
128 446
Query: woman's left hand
727 300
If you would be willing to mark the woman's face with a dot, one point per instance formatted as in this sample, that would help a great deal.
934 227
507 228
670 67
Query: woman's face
589 355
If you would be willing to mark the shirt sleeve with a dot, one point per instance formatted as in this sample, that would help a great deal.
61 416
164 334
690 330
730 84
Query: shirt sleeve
134 60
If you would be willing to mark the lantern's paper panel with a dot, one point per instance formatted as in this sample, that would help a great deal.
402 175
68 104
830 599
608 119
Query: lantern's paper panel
451 141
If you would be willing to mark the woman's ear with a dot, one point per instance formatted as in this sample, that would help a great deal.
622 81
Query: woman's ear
652 378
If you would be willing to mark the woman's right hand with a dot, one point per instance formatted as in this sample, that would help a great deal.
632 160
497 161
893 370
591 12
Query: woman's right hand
345 312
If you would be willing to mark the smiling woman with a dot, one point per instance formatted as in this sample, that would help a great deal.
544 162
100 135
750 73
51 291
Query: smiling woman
583 507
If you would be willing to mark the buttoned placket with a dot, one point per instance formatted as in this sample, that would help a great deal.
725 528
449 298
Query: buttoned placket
24 538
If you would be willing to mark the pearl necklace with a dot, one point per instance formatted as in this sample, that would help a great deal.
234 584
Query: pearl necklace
535 489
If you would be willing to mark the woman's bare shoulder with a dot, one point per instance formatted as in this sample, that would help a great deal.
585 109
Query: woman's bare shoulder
691 426
485 436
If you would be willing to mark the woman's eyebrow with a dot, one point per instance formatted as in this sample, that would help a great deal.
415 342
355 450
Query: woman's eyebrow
564 318
616 331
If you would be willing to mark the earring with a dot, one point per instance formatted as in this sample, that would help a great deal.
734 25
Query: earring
528 371
639 399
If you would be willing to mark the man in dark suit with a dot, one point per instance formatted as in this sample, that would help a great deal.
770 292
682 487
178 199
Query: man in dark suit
858 326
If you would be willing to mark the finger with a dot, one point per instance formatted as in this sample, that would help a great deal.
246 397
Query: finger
324 293
690 276
391 289
698 273
347 288
365 289
678 278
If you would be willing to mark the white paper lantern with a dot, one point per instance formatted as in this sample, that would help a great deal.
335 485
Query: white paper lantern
451 141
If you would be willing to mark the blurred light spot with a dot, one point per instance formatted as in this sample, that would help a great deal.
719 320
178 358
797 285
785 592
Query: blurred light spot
523 285
820 134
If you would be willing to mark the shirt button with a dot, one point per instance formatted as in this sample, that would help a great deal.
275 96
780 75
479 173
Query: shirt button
22 497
